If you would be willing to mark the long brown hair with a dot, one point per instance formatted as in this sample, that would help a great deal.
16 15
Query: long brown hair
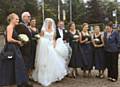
70 24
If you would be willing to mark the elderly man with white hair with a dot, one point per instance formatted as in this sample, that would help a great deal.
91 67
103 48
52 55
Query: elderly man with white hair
26 17
26 49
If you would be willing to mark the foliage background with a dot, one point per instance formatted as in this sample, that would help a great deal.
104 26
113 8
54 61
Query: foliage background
94 11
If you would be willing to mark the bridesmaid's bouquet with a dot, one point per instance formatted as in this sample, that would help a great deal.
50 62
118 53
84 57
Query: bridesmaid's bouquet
76 36
24 38
97 41
37 36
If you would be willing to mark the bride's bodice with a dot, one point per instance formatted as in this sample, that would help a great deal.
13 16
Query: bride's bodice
49 35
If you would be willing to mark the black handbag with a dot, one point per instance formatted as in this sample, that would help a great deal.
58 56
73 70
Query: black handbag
6 54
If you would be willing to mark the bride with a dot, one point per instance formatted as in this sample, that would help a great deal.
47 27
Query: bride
50 64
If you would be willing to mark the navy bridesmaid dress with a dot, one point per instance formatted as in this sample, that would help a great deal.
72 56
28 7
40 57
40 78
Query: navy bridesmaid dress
87 53
99 54
33 47
13 71
75 61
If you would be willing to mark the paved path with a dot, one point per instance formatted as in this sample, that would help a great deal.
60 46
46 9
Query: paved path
79 81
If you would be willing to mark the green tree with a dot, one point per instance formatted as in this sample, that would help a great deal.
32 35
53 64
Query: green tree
79 12
17 6
109 8
95 12
9 6
31 6
51 9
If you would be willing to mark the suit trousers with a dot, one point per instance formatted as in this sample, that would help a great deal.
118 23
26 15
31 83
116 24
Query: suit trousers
112 64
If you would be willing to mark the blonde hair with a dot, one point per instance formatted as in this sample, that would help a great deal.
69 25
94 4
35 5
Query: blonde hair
10 17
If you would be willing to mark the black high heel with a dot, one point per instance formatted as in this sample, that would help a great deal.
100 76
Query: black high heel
28 85
101 76
97 76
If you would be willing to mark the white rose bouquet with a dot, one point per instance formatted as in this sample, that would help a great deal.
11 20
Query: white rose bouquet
23 37
97 41
76 36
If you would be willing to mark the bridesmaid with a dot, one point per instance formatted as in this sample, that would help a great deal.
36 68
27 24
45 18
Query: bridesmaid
13 72
86 50
73 40
98 43
34 31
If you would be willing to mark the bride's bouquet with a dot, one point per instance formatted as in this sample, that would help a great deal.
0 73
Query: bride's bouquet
24 38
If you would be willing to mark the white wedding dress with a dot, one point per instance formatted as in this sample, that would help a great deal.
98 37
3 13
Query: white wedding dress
50 64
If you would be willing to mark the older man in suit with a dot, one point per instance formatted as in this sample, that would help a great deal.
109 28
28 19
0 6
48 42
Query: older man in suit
26 49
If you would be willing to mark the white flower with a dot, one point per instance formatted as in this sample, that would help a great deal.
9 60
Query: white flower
37 36
76 36
97 40
23 37
66 31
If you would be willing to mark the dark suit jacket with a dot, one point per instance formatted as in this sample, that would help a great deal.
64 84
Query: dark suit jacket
112 43
65 34
27 48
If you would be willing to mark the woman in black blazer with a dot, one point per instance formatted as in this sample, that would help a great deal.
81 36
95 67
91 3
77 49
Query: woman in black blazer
112 44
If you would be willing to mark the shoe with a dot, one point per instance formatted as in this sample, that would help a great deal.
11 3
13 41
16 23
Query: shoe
31 79
29 85
22 85
101 76
109 78
25 85
97 76
114 80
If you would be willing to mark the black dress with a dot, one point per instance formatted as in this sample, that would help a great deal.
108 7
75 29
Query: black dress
13 71
99 54
75 61
87 53
33 44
